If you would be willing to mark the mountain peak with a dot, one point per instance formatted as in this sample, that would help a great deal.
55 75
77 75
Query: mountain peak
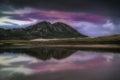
44 22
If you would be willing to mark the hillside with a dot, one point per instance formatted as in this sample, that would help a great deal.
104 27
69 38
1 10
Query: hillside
41 30
114 39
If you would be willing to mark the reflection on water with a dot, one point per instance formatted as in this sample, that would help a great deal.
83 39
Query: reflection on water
41 53
57 64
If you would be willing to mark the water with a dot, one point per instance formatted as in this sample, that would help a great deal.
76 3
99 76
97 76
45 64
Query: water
58 64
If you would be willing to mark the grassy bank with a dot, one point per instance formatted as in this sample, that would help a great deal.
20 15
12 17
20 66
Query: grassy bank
14 43
77 41
88 42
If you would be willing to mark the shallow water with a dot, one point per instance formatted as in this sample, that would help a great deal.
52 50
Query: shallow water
58 64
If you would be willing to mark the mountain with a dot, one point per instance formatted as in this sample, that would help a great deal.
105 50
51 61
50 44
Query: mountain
41 30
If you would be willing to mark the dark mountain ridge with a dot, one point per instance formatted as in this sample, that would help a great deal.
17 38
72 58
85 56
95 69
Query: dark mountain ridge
41 30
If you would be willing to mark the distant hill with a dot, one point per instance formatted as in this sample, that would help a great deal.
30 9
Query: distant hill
41 30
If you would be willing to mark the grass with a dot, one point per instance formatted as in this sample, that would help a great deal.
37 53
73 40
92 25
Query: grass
14 42
106 40
76 41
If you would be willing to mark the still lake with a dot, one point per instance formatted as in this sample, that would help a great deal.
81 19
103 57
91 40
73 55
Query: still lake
58 64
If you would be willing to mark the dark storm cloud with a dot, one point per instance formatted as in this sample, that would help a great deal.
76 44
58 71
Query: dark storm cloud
103 7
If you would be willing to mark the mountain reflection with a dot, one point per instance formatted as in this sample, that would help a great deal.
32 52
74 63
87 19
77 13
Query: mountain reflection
41 53
58 64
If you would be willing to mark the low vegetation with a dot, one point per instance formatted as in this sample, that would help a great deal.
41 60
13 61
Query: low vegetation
115 39
86 42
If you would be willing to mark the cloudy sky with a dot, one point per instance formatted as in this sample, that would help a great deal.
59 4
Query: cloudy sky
90 17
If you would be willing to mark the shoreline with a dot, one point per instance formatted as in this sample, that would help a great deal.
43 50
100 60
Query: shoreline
99 48
95 48
81 46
